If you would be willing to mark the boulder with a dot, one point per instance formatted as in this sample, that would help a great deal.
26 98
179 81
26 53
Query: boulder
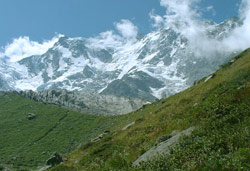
127 126
31 116
163 147
209 77
54 159
98 138
195 104
106 132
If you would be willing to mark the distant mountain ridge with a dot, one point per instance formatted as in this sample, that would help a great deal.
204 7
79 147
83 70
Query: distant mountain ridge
156 65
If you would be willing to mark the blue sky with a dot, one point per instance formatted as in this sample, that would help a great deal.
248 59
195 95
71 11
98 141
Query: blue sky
41 19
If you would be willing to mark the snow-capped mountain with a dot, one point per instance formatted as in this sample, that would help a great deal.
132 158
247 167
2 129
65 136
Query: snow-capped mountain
156 65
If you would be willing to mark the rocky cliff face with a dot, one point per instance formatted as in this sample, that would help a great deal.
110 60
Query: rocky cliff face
85 102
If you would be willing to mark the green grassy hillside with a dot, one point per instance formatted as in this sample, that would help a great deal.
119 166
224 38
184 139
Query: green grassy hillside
29 143
220 110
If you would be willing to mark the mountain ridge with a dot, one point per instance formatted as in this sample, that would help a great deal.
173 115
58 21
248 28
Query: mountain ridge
157 65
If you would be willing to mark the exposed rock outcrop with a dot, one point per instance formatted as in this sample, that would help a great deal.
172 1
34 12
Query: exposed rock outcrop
163 147
86 102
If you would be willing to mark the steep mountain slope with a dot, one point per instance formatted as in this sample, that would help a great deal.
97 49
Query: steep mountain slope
8 76
156 65
218 106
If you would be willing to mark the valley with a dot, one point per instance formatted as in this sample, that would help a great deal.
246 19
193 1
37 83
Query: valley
218 106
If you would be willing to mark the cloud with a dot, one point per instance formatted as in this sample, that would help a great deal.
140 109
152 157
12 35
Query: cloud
23 47
157 19
127 29
184 17
240 37
109 39
211 9
105 40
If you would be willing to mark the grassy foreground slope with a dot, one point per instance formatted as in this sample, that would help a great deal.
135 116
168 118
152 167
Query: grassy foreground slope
218 107
28 143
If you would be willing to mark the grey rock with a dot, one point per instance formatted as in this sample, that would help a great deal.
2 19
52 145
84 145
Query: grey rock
114 133
54 159
86 102
175 132
162 148
128 86
195 104
31 116
209 77
44 168
106 132
98 138
232 61
128 126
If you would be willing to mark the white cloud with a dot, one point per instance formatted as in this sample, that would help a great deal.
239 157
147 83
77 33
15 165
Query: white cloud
109 39
211 9
23 47
127 29
157 19
184 16
240 38
106 39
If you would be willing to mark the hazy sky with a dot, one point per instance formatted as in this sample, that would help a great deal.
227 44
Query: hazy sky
41 19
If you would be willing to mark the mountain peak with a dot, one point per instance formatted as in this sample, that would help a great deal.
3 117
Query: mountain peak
157 65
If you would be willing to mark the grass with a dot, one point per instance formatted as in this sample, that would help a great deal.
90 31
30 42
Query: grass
220 108
28 143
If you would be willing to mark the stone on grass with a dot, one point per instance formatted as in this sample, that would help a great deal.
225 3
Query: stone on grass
127 126
55 159
31 116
